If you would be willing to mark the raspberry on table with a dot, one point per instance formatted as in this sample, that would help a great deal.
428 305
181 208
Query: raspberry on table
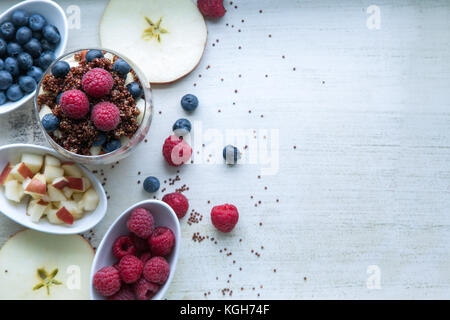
125 293
224 217
161 241
140 244
211 8
107 281
97 82
105 116
178 202
123 246
176 151
145 290
156 270
141 223
74 104
130 269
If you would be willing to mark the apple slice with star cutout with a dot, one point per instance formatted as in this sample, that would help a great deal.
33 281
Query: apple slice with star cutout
166 38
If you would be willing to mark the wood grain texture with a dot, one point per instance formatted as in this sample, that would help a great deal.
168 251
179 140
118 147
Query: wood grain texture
368 181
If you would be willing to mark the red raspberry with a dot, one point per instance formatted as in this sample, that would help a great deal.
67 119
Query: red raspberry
178 202
156 270
161 241
211 8
105 116
145 290
97 82
125 293
140 244
107 281
130 269
123 246
176 151
224 217
74 104
141 223
145 256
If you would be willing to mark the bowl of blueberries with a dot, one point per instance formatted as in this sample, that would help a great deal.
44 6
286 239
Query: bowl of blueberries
32 35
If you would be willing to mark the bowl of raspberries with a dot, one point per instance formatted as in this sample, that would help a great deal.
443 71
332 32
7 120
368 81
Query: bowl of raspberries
137 257
32 35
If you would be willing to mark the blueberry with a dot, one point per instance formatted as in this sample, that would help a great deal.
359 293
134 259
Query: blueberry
189 102
58 97
25 61
51 33
6 80
91 55
19 18
12 66
36 22
3 47
37 35
182 127
2 98
111 146
122 67
36 73
23 35
60 69
47 45
13 49
151 184
135 90
230 154
2 64
7 30
27 84
99 140
50 122
14 93
33 47
46 59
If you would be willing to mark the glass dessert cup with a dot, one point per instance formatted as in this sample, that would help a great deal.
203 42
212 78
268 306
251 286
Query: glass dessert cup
128 144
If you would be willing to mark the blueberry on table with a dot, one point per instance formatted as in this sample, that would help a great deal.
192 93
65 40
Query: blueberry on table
14 93
151 184
121 66
60 69
33 47
7 30
182 127
12 66
50 122
99 140
46 59
6 80
25 61
47 45
27 84
13 49
2 98
23 35
230 154
91 55
51 33
189 102
36 22
3 47
111 146
19 18
36 73
135 90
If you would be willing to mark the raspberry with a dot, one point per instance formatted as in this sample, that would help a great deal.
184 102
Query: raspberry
123 246
140 244
161 241
130 269
107 281
105 116
178 202
211 8
156 270
74 104
141 223
145 256
176 151
97 82
145 290
125 293
224 217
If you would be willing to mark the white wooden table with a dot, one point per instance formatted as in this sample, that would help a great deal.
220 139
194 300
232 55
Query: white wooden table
368 182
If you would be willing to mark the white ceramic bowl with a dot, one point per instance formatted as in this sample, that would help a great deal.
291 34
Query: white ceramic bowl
164 216
17 211
55 15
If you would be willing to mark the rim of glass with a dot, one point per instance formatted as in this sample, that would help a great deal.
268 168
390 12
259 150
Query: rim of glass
142 127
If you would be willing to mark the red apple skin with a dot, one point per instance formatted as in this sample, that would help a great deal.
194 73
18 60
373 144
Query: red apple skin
42 203
24 171
5 173
61 184
36 186
65 215
75 183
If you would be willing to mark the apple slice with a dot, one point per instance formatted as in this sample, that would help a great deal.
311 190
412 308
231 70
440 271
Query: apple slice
51 215
55 195
90 200
6 175
33 161
45 109
52 161
68 192
65 215
71 169
51 173
14 191
21 172
76 184
77 197
60 183
36 209
36 186
75 210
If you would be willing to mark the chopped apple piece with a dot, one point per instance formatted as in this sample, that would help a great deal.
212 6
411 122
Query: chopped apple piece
95 151
86 183
77 197
21 172
14 191
68 192
52 217
51 173
90 200
44 110
75 210
52 161
6 175
71 169
55 194
76 184
36 186
33 161
65 215
36 209
60 183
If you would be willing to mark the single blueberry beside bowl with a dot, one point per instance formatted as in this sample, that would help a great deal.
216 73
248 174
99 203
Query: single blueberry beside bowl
121 66
99 140
47 45
27 84
36 22
93 54
19 18
50 122
46 59
14 93
6 80
182 127
189 102
23 35
13 49
12 66
230 154
3 47
151 184
111 146
33 47
2 98
51 33
60 69
135 90
36 73
7 30
25 61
